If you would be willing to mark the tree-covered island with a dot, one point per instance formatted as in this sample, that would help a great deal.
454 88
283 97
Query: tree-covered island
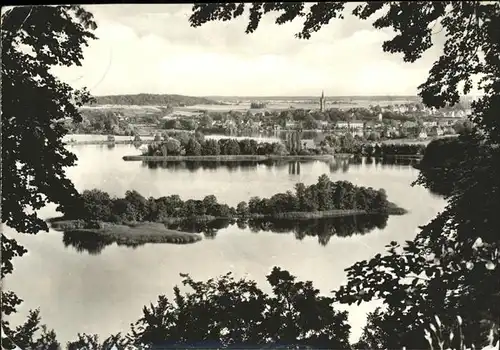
195 146
136 219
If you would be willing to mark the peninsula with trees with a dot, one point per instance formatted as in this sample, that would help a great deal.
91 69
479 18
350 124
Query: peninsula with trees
135 219
153 100
175 146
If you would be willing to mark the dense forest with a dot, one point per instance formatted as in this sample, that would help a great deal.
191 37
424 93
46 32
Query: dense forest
347 143
323 196
385 150
181 143
197 145
152 100
439 171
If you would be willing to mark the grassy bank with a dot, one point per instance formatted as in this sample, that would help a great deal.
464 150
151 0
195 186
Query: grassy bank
295 215
303 215
227 158
137 233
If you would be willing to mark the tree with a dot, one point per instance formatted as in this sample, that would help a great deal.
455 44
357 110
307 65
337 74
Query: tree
183 138
206 121
210 148
373 136
172 124
279 148
96 205
33 104
347 143
199 136
193 148
187 124
242 209
226 312
310 123
211 205
463 127
323 187
248 146
173 146
24 335
232 147
459 279
373 336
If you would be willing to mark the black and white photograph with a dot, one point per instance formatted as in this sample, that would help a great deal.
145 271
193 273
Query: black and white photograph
250 175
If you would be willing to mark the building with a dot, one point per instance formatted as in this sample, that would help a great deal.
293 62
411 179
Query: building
323 124
350 125
322 102
309 144
435 131
409 124
422 135
430 124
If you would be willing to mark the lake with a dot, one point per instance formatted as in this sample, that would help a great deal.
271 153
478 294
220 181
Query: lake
103 293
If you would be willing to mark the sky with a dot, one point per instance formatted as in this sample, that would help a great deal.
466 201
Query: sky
153 49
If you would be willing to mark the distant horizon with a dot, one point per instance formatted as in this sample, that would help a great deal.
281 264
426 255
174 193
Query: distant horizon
256 96
274 96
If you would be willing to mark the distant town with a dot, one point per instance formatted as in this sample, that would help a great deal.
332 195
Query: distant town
366 118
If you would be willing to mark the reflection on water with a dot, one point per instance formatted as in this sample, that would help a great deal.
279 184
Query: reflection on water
193 166
91 242
324 229
213 165
64 283
294 167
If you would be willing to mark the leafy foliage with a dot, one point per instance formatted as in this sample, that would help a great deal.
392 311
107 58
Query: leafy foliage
324 196
34 39
451 267
210 147
440 166
33 103
347 144
227 312
24 335
152 100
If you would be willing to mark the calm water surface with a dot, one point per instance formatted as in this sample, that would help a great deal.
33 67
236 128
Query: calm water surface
80 292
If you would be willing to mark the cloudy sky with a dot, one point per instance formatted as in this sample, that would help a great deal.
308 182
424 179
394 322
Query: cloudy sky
152 49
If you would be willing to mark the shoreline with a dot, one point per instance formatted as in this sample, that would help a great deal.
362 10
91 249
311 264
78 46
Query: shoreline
137 233
229 158
235 158
295 215
157 232
106 142
134 233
